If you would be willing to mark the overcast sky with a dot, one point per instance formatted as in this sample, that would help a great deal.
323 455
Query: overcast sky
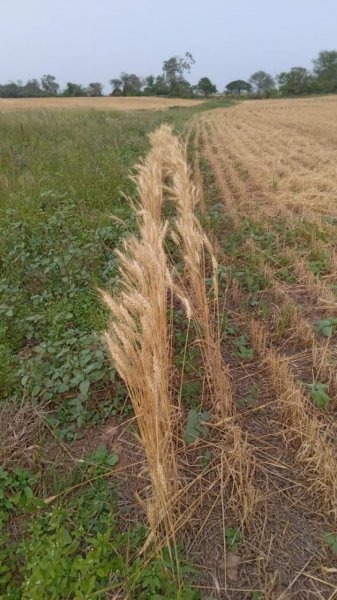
84 41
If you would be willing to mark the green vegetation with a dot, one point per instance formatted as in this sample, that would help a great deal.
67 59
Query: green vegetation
297 81
75 549
63 212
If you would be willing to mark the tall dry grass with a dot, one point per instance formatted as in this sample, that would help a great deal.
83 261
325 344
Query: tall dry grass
199 258
139 336
140 345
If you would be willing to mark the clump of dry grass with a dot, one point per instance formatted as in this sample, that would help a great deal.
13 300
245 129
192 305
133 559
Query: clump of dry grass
315 451
139 343
199 260
196 250
301 328
21 429
318 290
139 337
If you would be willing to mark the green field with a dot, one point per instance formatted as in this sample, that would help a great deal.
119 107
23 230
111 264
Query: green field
62 177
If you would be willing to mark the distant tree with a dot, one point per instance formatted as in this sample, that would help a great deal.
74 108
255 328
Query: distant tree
31 89
149 85
173 72
206 86
131 84
74 89
261 81
49 85
10 90
161 87
155 86
116 87
238 86
95 89
325 69
296 82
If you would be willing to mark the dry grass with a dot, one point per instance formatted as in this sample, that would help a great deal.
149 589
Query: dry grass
271 164
283 153
196 250
104 103
315 452
270 461
140 341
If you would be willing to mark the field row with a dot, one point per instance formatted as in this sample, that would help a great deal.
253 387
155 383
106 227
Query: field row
268 199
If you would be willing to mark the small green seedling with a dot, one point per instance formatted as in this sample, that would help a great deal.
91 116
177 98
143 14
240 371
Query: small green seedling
252 396
195 427
319 394
326 326
233 538
206 458
102 458
331 540
285 275
242 349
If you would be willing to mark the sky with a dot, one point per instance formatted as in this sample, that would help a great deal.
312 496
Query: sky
84 41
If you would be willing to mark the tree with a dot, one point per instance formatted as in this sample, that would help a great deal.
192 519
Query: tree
173 72
95 89
116 87
261 81
206 86
131 84
325 69
49 85
295 82
10 90
31 89
74 89
238 86
149 85
161 88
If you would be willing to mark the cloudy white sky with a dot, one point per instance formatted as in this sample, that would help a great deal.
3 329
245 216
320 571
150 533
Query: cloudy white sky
83 41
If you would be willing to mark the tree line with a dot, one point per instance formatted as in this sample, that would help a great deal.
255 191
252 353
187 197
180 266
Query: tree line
298 81
172 82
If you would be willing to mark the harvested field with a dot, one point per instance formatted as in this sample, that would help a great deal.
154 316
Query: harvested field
209 413
104 103
284 153
269 182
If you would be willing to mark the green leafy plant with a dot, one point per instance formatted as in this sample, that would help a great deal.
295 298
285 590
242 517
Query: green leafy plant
17 491
285 274
243 351
191 393
195 427
233 538
250 399
319 394
331 540
76 550
326 326
320 265
101 457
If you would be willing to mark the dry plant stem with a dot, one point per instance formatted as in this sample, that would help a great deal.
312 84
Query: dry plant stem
194 245
139 344
315 451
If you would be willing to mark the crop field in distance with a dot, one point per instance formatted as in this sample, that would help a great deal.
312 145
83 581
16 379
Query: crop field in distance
99 103
168 352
